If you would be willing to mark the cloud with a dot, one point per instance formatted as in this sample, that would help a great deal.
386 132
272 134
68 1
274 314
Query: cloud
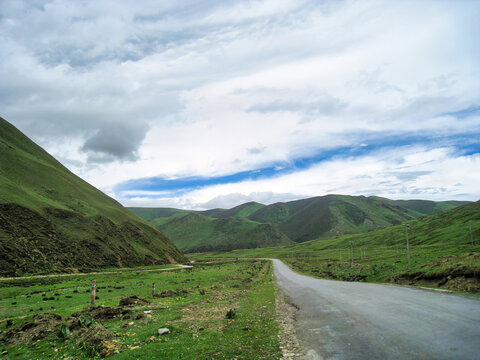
406 176
230 200
123 91
399 173
322 106
473 110
117 142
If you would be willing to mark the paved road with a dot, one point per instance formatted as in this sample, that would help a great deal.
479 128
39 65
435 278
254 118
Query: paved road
345 320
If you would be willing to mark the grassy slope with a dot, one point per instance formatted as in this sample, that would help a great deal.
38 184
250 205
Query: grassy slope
158 216
419 208
240 211
51 219
441 252
330 215
195 232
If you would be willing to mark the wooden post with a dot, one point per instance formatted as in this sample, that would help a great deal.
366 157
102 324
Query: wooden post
470 227
153 289
351 252
408 246
94 290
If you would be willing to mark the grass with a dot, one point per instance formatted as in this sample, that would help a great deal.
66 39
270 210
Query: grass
195 232
441 253
54 220
198 323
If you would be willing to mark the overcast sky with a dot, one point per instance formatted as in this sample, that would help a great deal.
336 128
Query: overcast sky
202 104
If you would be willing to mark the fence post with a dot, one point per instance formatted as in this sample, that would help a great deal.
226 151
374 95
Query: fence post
470 227
94 290
153 289
408 246
351 252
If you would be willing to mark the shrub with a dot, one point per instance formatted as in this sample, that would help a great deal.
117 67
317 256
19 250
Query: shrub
231 314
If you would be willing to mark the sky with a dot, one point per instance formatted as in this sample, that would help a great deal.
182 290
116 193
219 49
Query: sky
205 104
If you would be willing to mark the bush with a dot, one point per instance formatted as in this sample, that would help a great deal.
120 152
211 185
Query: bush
231 314
63 332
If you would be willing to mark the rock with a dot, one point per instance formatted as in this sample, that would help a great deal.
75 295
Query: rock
162 331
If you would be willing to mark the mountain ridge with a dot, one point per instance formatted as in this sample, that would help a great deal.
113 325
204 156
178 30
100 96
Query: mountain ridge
301 220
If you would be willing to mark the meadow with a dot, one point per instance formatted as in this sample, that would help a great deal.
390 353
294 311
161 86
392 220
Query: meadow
216 310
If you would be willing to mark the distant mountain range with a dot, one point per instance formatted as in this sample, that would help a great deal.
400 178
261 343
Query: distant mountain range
253 225
51 220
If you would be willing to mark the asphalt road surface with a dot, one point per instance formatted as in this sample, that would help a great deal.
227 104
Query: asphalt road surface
348 320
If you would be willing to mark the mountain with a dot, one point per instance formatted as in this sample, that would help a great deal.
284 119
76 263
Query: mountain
240 211
158 216
196 233
330 215
301 220
419 208
51 220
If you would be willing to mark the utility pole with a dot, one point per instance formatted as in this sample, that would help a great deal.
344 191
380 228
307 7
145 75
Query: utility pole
408 246
471 236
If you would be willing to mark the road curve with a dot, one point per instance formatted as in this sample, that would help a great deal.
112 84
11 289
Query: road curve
348 320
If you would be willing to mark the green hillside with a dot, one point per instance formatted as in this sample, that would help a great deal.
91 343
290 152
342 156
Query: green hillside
330 215
419 208
301 220
158 216
195 232
51 220
240 211
441 252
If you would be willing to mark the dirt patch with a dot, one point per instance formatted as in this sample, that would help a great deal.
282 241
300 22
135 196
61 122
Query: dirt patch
289 344
42 326
95 339
463 283
170 258
132 300
453 272
167 293
100 313
199 316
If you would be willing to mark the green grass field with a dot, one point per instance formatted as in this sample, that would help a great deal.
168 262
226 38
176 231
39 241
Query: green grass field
196 317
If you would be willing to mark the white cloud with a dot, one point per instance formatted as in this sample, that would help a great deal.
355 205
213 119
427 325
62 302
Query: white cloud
401 173
214 88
